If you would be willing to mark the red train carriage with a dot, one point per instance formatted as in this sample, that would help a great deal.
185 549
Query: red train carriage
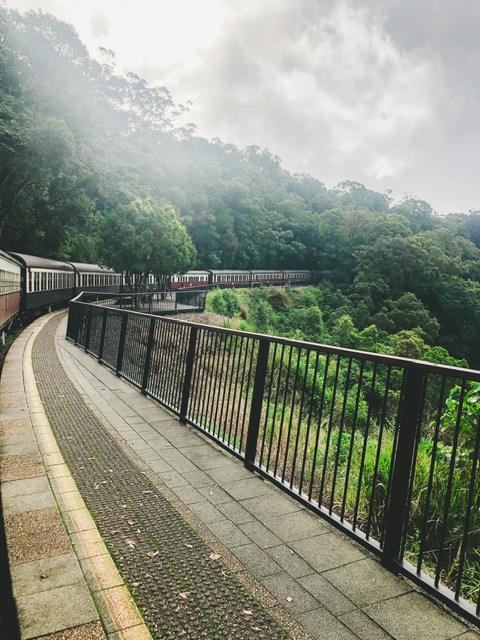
10 287
195 278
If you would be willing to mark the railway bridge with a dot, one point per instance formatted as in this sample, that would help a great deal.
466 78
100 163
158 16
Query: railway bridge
123 523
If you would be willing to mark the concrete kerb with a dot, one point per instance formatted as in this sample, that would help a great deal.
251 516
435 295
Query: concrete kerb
63 588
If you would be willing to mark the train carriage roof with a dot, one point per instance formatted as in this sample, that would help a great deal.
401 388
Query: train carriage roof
228 271
41 263
7 256
195 272
91 268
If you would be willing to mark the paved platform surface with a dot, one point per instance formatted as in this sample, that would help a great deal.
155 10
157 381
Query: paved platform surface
122 523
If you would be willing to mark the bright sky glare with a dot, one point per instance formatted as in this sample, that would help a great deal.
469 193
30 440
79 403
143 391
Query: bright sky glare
387 94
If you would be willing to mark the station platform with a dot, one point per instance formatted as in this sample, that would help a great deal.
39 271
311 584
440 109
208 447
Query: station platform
123 524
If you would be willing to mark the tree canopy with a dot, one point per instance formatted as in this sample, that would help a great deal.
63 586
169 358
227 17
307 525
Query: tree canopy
94 167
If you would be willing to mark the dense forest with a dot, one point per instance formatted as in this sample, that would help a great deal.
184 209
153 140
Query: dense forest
94 168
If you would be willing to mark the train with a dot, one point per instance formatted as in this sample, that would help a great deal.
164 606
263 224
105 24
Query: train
243 277
31 285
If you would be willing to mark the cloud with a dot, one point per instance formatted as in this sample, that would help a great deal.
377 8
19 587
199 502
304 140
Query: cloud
322 85
385 93
100 23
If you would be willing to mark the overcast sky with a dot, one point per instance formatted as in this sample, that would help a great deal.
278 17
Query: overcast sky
384 93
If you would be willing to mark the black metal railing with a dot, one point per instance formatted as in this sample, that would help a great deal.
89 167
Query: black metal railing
158 303
385 448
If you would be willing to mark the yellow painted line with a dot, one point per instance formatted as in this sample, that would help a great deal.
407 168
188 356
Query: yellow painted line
119 612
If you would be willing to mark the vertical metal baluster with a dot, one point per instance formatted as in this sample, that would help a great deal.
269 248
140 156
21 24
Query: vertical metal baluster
319 426
398 506
282 420
448 493
267 409
300 414
148 356
247 393
187 383
352 441
257 404
340 434
364 449
121 344
89 328
378 454
233 374
102 337
329 433
468 514
272 434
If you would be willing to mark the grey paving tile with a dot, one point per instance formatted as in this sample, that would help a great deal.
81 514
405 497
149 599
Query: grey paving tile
235 512
230 473
214 494
269 506
207 462
178 461
24 503
364 627
328 596
229 534
259 563
259 534
250 487
207 512
188 495
324 626
290 594
199 451
54 610
327 551
292 563
199 479
159 466
297 526
366 581
149 454
171 477
413 617
45 574
19 448
23 487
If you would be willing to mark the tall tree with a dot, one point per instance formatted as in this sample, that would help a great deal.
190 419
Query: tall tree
146 237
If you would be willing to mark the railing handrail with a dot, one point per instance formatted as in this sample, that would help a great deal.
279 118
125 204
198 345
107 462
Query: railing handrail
372 356
240 388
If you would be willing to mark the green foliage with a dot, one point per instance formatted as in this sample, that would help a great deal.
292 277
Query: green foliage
344 333
463 414
408 344
80 143
146 237
262 315
231 302
224 302
216 303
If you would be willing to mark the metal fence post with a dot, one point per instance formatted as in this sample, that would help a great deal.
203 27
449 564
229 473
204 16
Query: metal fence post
72 326
256 406
192 345
398 506
89 328
102 337
121 343
148 355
